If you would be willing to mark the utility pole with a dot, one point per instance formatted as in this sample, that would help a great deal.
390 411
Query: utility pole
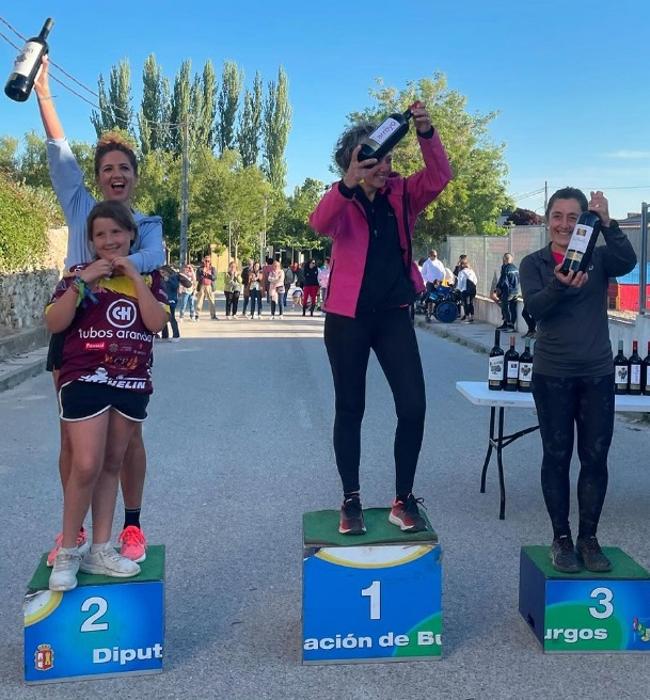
185 191
545 208
229 241
643 267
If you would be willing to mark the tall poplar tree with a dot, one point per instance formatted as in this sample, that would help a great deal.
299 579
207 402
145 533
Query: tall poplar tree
115 111
277 124
228 104
250 124
180 106
153 117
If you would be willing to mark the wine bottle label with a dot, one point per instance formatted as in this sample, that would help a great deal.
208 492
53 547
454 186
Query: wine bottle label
525 371
27 58
513 370
621 375
496 369
384 130
635 376
580 239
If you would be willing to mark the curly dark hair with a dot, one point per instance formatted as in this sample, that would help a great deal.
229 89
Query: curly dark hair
568 193
349 140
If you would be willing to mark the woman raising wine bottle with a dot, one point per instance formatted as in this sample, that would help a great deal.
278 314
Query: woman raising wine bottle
370 214
573 371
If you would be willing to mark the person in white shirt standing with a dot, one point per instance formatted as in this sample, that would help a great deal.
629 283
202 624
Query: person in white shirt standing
433 273
466 285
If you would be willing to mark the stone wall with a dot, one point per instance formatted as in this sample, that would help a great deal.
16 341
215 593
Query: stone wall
23 295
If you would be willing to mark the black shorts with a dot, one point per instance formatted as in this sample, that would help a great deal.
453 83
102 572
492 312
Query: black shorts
82 400
55 351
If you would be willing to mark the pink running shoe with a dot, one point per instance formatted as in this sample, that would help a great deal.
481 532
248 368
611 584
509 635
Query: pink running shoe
133 544
82 543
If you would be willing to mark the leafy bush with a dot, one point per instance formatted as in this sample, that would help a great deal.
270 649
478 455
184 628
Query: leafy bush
24 218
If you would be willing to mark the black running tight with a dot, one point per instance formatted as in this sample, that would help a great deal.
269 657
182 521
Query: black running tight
587 402
349 341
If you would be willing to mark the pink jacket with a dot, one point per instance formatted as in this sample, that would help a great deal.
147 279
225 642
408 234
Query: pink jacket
344 220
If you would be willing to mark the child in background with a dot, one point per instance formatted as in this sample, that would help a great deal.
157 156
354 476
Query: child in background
110 312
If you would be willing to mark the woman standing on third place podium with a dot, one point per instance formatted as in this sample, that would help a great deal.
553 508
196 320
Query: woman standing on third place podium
573 371
369 214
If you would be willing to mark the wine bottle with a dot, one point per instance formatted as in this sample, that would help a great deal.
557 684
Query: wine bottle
21 81
581 245
526 368
645 385
495 376
512 367
386 136
635 370
621 371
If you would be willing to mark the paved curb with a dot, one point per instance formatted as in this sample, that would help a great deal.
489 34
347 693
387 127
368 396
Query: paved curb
17 369
459 334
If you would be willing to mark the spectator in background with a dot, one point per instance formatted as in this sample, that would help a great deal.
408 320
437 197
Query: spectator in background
186 293
310 290
323 280
289 279
433 271
244 280
266 270
255 287
276 287
466 285
508 291
205 277
232 287
171 283
462 257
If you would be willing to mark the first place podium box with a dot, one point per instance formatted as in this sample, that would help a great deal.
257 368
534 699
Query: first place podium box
104 627
588 611
372 597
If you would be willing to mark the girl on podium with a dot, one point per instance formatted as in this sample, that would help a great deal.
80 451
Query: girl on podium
116 172
110 313
573 371
370 215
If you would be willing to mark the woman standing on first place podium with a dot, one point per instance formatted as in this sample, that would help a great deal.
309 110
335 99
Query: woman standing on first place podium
573 371
370 214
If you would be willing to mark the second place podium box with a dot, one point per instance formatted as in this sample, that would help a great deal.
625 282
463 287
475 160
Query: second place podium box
373 597
104 627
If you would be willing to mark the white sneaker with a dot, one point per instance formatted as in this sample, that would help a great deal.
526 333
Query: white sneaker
64 570
174 340
109 562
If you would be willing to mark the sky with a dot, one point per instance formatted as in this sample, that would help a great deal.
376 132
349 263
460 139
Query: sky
569 81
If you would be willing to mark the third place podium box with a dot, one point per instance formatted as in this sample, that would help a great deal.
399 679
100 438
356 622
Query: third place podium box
104 627
372 597
588 611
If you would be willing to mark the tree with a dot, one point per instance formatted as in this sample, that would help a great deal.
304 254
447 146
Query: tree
277 124
33 169
153 117
228 104
8 154
473 200
180 106
207 134
115 111
290 227
250 124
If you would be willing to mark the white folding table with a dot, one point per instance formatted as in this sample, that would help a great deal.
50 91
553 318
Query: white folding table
479 394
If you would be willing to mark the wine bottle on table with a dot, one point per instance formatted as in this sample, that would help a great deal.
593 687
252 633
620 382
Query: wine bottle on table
582 243
512 367
526 368
635 370
386 136
645 373
621 371
21 81
495 376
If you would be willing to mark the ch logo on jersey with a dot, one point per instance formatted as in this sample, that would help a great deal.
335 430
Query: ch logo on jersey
121 313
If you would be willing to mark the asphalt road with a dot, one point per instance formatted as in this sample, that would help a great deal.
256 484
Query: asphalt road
239 444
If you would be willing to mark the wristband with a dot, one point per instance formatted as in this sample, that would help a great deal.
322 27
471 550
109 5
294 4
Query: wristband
83 291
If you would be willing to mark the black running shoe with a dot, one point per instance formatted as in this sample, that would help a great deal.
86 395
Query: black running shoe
564 557
406 515
351 522
591 556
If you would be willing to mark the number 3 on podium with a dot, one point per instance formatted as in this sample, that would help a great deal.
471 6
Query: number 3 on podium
605 602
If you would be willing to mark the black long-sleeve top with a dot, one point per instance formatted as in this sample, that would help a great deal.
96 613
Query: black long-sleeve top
573 331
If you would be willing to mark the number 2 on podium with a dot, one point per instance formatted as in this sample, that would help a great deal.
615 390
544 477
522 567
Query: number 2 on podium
91 624
374 593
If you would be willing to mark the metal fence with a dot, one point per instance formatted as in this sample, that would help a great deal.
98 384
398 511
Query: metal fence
486 252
